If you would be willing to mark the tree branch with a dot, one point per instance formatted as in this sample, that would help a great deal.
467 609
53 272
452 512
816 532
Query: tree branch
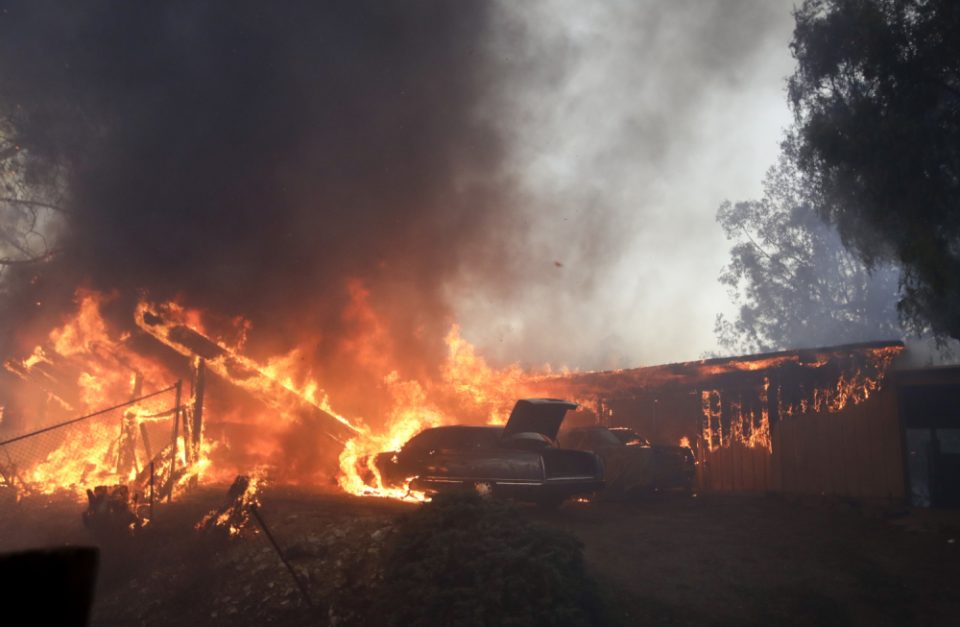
34 203
14 243
784 271
22 262
9 151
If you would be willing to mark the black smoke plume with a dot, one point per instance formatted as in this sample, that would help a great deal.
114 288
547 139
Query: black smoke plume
252 157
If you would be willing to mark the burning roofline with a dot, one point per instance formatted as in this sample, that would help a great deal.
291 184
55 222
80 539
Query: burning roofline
840 348
802 356
702 373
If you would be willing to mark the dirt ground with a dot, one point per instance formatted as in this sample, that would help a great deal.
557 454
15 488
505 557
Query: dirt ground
666 561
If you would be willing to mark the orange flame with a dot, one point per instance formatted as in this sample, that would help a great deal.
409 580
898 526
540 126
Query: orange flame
751 427
82 355
467 388
466 378
101 366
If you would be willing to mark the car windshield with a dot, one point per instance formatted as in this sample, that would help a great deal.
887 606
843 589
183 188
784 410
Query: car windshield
602 437
454 438
626 436
589 439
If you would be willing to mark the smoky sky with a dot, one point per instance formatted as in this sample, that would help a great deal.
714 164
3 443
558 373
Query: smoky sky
642 117
545 172
251 157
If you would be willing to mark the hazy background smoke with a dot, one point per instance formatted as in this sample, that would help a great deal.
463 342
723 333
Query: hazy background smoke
630 122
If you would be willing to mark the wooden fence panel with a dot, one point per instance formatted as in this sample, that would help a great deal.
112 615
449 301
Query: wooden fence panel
735 468
776 463
855 452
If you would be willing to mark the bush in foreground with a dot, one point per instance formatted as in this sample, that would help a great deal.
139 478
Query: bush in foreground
464 560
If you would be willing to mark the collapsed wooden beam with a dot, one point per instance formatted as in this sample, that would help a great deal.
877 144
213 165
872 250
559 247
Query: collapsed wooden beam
239 371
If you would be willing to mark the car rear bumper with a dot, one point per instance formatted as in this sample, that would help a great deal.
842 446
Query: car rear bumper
521 490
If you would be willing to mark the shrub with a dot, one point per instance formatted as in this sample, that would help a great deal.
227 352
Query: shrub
464 560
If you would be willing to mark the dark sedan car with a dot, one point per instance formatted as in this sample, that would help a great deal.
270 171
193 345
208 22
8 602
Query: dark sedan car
519 460
632 466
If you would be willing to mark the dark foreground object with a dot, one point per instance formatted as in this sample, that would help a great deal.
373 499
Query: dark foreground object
48 587
466 560
666 560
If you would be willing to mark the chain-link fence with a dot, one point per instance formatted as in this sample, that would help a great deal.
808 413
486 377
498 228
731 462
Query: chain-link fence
113 445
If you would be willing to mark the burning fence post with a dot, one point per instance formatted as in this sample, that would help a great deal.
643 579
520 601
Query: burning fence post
174 439
127 453
193 417
127 449
145 438
200 369
151 489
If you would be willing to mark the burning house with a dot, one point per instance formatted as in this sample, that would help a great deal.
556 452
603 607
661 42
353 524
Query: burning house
334 218
238 240
169 406
840 421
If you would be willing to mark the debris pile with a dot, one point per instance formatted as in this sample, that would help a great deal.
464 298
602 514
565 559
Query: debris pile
12 485
234 515
110 511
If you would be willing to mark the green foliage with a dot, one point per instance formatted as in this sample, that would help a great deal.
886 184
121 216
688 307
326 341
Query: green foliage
876 99
793 280
463 560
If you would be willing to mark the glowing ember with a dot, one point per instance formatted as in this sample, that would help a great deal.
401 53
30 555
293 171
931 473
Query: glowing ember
234 515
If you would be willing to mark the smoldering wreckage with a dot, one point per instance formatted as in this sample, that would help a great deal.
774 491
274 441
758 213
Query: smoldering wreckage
842 421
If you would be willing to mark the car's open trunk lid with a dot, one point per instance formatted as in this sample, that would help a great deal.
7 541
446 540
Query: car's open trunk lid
538 415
